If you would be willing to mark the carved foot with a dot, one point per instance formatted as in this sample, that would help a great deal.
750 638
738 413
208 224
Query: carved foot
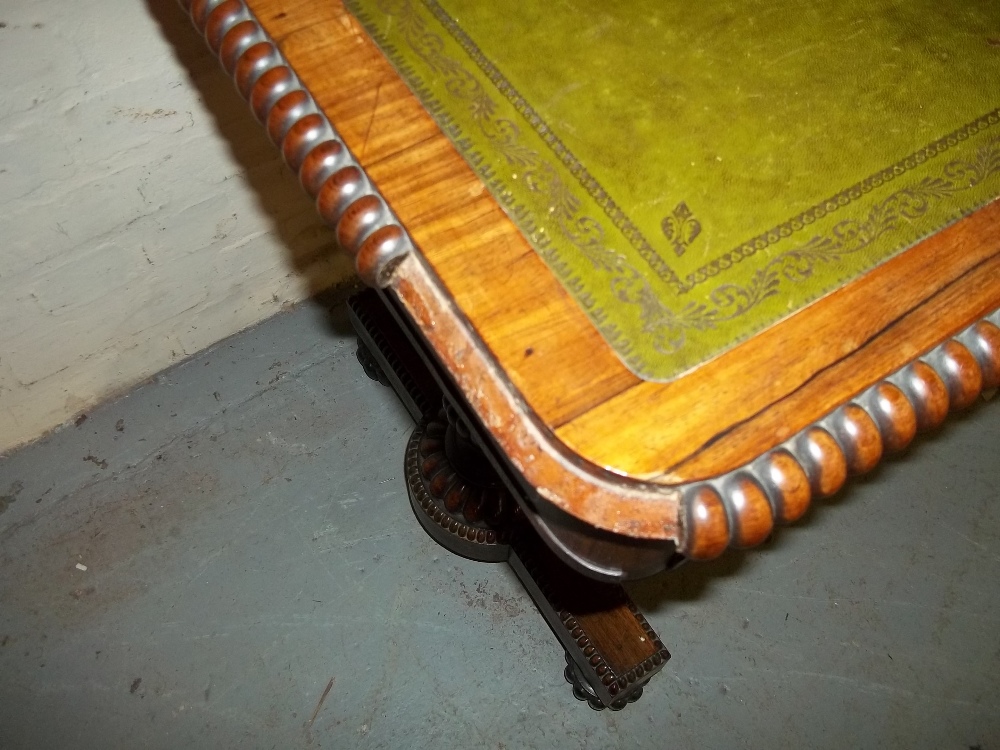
611 650
371 367
389 357
583 691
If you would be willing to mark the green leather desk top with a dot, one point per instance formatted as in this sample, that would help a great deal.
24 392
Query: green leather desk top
693 173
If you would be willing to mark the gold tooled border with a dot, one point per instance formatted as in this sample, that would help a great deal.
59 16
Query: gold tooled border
666 329
633 233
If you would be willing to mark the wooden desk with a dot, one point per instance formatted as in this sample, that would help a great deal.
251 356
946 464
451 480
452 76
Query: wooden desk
620 475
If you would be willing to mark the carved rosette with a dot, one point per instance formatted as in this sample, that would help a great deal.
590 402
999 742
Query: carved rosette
470 517
345 198
741 508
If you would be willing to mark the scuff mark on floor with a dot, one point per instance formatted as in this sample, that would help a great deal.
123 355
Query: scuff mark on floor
11 496
319 704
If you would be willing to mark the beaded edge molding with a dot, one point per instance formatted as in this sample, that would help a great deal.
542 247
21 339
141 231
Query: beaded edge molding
345 198
740 508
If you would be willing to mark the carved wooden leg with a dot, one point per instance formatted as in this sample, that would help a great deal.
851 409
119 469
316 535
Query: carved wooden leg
392 355
611 651
457 496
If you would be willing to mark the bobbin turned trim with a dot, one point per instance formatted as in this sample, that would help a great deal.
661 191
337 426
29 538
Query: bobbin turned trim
740 509
346 200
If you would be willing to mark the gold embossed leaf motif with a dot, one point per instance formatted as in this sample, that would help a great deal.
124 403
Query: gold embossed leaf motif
681 228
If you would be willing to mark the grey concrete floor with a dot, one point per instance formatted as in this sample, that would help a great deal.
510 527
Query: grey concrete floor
255 578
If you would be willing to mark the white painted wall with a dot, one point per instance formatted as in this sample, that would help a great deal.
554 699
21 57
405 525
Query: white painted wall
143 213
